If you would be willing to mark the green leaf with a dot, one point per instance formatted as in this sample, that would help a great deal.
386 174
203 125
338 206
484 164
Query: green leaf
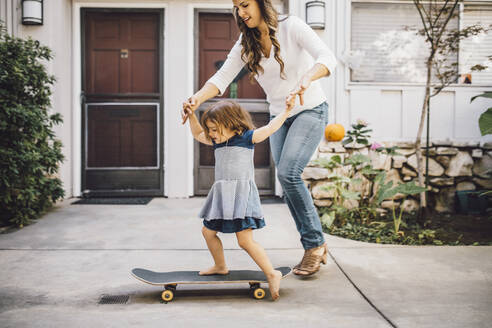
327 219
336 159
328 187
485 122
368 170
357 159
487 94
388 194
339 178
385 191
378 224
380 177
347 141
347 194
409 188
326 163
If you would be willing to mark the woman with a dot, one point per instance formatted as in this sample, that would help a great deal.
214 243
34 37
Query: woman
279 54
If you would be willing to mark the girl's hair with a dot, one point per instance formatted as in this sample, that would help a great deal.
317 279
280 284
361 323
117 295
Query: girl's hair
227 114
251 52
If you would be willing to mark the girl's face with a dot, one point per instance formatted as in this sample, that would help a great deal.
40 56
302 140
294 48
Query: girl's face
219 134
249 12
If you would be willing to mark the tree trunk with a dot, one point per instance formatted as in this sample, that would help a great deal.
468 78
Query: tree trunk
418 149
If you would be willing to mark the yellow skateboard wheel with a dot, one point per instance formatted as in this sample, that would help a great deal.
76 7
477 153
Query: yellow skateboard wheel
167 295
259 293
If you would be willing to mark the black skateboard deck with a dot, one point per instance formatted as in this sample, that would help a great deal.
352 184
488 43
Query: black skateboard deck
170 280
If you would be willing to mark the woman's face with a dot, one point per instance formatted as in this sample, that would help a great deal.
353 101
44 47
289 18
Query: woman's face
249 12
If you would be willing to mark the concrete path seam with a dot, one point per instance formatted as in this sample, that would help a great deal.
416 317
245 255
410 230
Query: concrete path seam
362 293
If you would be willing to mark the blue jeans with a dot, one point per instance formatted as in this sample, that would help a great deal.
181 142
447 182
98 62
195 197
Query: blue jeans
292 147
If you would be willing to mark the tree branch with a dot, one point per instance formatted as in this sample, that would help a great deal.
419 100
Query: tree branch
420 9
443 28
440 12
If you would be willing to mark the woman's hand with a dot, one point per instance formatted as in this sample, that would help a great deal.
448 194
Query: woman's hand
290 102
188 112
302 86
189 108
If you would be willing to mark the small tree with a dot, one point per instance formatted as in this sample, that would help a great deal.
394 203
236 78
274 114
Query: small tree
29 152
443 43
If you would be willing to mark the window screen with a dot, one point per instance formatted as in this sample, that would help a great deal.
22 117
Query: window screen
383 49
476 50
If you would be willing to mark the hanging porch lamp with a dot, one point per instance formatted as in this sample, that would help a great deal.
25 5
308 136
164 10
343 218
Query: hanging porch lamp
316 14
32 12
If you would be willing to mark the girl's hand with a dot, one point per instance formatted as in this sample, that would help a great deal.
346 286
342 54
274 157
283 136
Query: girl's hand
189 107
303 84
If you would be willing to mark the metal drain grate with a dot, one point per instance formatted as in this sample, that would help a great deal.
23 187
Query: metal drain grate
114 299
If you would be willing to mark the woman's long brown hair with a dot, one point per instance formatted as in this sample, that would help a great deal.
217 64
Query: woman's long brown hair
251 52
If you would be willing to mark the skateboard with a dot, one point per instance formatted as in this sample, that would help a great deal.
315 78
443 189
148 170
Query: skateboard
170 280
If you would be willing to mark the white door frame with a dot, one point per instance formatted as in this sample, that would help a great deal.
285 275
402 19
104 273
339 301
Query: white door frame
77 81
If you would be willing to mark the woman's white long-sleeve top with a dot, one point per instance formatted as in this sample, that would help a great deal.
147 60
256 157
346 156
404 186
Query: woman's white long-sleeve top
300 49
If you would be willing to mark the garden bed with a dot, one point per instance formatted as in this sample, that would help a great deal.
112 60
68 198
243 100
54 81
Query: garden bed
438 229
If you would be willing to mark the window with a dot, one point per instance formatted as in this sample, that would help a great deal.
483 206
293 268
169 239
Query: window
383 50
476 50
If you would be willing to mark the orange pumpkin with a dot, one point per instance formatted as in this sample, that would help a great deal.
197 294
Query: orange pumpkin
334 132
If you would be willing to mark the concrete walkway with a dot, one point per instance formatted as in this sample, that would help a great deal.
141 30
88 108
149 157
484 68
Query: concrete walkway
53 273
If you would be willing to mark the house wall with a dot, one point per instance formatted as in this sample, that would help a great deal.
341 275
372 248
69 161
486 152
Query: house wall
452 114
61 32
393 110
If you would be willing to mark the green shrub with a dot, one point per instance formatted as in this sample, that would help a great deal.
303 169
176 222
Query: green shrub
29 153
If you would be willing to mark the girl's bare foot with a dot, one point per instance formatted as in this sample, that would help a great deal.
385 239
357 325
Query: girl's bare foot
214 270
274 284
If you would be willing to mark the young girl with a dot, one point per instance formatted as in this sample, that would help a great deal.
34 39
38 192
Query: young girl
233 203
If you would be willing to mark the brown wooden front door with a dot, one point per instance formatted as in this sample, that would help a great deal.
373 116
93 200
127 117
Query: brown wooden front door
217 35
122 108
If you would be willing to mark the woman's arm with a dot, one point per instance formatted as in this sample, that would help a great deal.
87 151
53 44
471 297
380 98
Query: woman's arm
316 72
325 60
264 132
307 39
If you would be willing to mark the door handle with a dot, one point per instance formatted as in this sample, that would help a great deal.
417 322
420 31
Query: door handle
124 53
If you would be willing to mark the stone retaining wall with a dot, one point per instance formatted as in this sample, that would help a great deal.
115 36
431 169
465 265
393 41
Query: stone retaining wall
452 166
